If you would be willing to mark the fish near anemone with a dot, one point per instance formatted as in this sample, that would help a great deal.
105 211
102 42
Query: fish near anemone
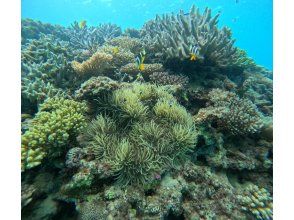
140 60
193 53
82 24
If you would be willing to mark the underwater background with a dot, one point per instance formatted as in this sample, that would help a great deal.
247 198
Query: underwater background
146 110
251 21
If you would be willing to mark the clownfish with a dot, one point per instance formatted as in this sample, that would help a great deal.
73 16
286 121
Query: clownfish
193 53
140 60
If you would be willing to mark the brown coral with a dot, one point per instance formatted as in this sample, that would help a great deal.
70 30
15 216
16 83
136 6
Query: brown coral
132 69
164 78
98 64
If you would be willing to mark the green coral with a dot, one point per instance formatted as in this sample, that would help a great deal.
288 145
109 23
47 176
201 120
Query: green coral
143 132
56 122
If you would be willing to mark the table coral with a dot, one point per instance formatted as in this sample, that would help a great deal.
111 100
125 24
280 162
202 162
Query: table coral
58 120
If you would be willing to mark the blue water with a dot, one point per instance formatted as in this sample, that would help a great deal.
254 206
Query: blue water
250 20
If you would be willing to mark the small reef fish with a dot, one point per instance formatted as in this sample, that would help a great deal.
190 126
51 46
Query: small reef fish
115 50
82 24
193 53
140 60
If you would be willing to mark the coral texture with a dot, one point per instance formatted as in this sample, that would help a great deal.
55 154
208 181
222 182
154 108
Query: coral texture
235 115
142 131
57 121
172 36
257 202
164 78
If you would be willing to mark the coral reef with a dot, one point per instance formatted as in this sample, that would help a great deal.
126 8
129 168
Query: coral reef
235 115
57 121
107 125
88 39
259 90
31 29
95 87
164 78
132 139
172 36
132 69
98 64
257 202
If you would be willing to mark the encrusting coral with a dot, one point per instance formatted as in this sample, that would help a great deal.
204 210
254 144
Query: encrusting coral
95 86
57 121
173 36
164 78
133 70
235 115
141 132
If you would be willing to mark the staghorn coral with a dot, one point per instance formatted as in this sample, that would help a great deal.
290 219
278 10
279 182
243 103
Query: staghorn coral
108 31
164 78
235 115
37 91
132 69
259 90
49 60
132 32
31 29
132 44
171 36
141 130
57 121
257 202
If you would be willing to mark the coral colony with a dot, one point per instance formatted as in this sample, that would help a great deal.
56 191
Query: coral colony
171 121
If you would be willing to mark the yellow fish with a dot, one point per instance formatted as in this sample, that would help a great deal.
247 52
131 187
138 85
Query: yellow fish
193 57
115 50
140 60
82 24
193 54
141 67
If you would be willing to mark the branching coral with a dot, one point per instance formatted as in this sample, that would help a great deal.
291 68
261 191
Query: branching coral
31 29
235 115
172 36
257 202
142 131
57 121
259 90
98 64
90 38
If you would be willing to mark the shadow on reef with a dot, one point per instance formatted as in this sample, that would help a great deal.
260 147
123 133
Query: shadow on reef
171 121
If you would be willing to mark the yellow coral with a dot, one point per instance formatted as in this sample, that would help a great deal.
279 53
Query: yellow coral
49 131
